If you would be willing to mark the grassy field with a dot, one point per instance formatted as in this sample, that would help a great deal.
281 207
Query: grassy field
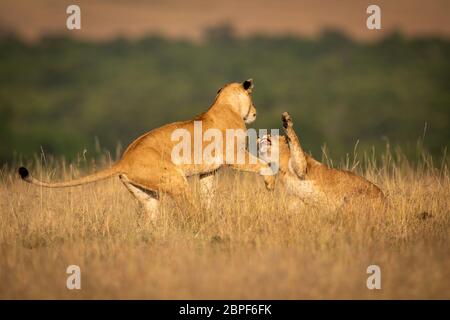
248 245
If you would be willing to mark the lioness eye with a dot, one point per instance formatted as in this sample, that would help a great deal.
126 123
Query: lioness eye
218 91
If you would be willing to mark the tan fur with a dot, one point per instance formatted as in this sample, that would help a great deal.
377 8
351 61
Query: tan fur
147 162
312 181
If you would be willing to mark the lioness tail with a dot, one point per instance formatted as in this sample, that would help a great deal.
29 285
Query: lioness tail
114 170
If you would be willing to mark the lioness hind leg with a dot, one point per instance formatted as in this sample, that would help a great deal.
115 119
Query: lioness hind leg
166 179
178 189
148 200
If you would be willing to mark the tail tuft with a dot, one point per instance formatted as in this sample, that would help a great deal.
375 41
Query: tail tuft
24 174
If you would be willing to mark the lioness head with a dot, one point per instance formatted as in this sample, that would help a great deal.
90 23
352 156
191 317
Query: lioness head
269 148
238 96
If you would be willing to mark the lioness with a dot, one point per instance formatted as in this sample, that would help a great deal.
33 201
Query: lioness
146 167
308 179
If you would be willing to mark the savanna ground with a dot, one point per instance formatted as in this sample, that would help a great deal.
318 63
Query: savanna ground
248 245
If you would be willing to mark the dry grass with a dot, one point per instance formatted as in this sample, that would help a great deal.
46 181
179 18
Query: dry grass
247 246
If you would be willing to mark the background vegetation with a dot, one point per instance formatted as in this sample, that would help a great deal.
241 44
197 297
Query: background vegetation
66 96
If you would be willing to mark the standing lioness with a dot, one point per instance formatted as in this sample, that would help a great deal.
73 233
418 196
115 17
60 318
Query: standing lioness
308 179
147 168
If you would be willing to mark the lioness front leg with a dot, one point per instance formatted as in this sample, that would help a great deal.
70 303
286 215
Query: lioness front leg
208 186
257 166
298 159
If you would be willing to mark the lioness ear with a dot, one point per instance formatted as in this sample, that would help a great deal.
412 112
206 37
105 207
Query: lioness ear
248 85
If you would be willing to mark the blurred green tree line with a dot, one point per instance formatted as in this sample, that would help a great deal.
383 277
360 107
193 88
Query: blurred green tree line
65 95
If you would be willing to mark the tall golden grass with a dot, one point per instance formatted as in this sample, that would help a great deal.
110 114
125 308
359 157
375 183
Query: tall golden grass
249 244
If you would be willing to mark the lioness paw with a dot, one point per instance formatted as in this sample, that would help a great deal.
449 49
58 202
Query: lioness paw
287 121
270 182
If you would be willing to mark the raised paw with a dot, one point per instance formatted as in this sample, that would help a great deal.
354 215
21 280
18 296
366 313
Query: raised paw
287 121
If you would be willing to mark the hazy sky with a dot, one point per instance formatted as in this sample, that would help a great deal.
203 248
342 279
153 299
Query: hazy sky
104 19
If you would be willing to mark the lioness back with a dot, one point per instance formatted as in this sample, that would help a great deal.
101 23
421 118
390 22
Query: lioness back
342 183
322 182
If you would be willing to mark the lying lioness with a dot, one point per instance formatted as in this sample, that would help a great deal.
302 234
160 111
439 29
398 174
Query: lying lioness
308 179
147 168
